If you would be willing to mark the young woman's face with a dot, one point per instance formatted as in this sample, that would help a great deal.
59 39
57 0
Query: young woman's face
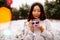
36 11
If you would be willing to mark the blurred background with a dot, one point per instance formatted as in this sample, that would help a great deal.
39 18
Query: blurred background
14 13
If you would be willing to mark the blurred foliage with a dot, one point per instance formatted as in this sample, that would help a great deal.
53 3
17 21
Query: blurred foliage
53 9
15 14
2 2
22 13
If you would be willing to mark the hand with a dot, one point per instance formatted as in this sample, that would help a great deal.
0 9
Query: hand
31 26
40 27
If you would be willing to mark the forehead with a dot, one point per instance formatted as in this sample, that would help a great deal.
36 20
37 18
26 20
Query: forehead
36 7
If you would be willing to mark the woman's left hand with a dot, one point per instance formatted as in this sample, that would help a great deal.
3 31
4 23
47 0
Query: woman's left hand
40 27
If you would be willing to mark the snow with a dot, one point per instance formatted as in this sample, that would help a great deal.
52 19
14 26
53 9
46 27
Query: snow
16 27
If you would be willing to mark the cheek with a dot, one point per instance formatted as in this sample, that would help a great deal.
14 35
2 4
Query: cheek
38 14
33 13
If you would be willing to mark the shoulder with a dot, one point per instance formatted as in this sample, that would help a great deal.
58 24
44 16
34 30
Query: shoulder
47 20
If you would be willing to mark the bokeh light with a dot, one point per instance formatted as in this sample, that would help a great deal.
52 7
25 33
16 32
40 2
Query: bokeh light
5 15
7 32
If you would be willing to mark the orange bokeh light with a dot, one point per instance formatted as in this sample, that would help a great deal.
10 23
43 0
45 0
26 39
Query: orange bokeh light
5 15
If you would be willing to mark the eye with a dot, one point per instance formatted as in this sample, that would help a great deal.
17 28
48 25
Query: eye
38 10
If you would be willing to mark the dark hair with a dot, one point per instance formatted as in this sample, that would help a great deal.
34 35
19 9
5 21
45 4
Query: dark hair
42 16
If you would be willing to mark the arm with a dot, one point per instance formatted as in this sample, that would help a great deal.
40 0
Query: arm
48 33
28 28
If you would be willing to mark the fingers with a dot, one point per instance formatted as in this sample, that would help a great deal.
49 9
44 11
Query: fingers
40 28
30 24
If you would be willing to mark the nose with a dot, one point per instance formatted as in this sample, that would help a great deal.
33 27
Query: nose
36 12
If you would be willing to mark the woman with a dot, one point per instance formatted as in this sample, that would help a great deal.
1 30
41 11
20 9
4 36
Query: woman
38 27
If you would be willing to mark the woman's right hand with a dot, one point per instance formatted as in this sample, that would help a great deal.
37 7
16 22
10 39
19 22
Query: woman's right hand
31 26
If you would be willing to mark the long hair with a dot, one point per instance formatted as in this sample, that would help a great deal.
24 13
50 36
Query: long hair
42 15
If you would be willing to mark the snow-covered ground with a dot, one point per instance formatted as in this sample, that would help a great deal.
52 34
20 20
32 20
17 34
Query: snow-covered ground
15 29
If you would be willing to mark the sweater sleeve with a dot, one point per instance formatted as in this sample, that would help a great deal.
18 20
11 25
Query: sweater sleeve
47 34
26 30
